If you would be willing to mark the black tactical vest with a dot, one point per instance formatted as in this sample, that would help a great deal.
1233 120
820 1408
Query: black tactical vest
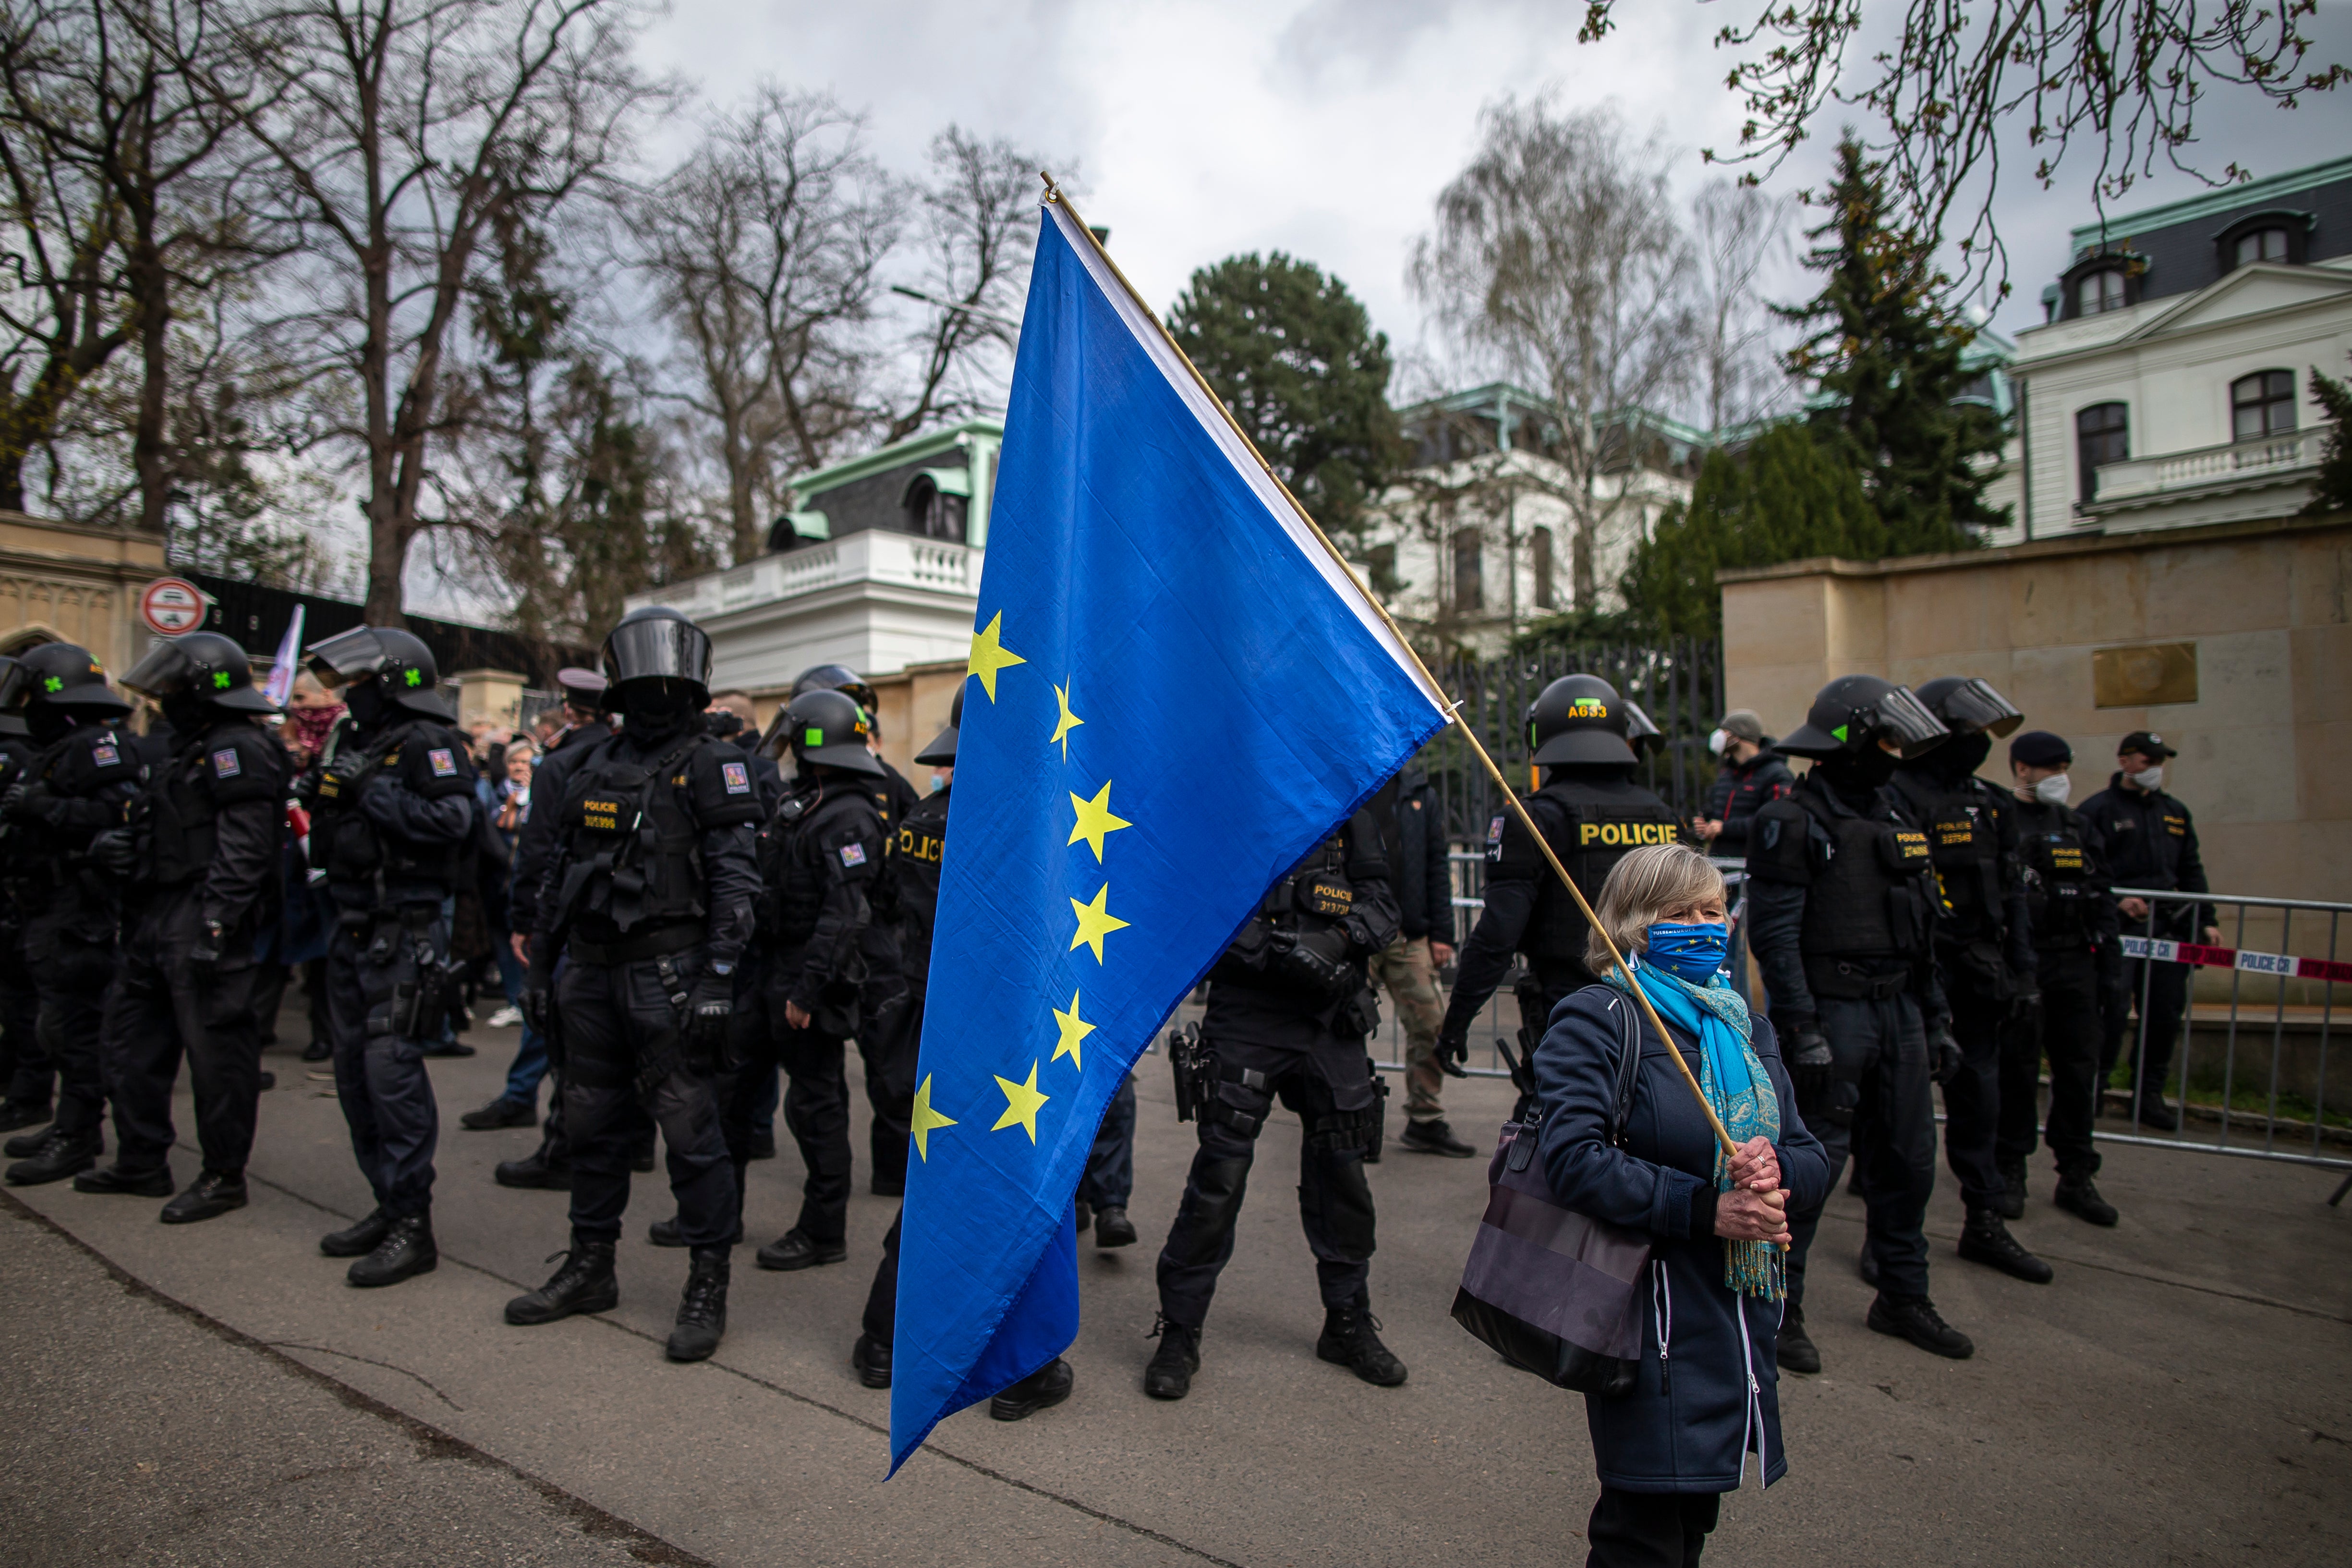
794 868
1963 843
917 853
1589 834
1866 910
634 851
180 816
354 851
1317 897
2058 887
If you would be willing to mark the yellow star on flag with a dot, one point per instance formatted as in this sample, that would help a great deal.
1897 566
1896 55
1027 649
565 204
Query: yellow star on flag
1068 723
989 655
1074 1029
1095 921
1096 819
1021 1104
927 1121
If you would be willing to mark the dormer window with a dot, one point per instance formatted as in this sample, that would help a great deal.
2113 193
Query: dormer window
2276 237
2096 292
2263 245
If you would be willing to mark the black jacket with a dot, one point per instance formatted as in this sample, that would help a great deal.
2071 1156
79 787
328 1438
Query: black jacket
77 787
2038 819
536 845
1755 785
1418 874
821 857
2151 842
243 773
1282 1016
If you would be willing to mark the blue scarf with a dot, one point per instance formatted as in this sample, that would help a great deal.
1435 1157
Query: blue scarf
1734 1080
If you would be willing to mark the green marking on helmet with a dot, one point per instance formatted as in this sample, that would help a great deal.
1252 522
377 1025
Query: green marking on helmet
811 737
415 677
1838 734
53 684
220 679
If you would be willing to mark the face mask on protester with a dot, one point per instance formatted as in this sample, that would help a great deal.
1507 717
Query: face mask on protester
1716 740
1688 951
939 781
2148 779
2055 789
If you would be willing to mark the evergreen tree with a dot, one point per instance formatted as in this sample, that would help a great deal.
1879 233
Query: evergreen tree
1293 355
1790 496
2331 490
1885 356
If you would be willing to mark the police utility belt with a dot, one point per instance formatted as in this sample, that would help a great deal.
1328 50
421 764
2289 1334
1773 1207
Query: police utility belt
637 946
1849 980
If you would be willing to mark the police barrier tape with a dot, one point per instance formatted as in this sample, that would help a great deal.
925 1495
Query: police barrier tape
2198 955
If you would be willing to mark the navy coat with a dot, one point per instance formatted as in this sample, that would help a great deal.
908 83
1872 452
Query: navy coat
1706 1393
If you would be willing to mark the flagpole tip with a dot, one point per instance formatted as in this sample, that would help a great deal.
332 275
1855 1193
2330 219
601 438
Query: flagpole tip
1052 190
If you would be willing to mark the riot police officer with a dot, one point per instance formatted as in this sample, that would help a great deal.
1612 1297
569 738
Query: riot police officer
2072 905
1984 946
391 807
1289 1005
1592 813
650 902
821 861
80 778
1841 924
27 1079
199 864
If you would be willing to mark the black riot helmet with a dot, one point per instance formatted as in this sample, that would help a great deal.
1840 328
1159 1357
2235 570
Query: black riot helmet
1853 713
401 665
829 727
657 642
1580 720
836 677
1967 705
63 677
203 666
940 752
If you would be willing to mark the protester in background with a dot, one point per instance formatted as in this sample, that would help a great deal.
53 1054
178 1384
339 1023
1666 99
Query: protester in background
1706 1392
1407 968
507 810
2151 842
1756 776
311 712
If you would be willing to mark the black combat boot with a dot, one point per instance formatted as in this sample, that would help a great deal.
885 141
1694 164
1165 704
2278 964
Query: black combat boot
1795 1350
25 1145
501 1112
1350 1339
544 1168
2077 1195
2154 1113
1917 1320
16 1113
795 1249
584 1284
870 1358
1985 1240
212 1194
2010 1204
1434 1137
407 1250
702 1309
1169 1375
1867 1267
1113 1229
665 1233
1048 1386
152 1182
60 1154
356 1240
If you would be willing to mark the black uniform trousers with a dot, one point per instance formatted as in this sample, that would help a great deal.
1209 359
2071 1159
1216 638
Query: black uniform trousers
162 1008
2065 1027
26 1073
1328 1082
1972 1097
1880 1046
2165 1000
888 1036
816 1092
613 1018
70 975
373 961
1108 1180
881 1320
1650 1529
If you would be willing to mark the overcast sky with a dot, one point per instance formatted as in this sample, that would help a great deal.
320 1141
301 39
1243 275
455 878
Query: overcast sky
1325 128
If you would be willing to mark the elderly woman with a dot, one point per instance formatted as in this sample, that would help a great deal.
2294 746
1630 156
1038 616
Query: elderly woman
1703 1399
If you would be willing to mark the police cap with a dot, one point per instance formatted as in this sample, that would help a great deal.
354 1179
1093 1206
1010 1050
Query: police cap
2040 749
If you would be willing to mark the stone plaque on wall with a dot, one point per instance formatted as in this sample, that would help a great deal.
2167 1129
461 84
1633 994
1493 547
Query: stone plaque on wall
2148 675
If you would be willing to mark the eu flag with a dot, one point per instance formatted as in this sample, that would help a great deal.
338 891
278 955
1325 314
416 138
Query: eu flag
1174 693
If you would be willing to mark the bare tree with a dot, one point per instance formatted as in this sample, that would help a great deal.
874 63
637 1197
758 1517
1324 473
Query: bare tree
2125 77
396 131
763 246
1557 255
1737 230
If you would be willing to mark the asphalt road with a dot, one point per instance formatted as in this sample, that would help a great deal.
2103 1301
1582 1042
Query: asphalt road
2182 1394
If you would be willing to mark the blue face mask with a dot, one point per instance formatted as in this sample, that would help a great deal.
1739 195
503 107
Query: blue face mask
1688 952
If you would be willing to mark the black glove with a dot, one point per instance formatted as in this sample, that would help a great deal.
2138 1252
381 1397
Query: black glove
1452 1050
115 852
1810 1065
2025 1004
1945 1052
538 1004
22 803
710 1011
1307 962
206 956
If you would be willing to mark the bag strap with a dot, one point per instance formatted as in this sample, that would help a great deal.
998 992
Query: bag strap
1628 1060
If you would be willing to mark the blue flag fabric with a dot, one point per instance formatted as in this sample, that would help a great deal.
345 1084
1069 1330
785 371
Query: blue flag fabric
1174 694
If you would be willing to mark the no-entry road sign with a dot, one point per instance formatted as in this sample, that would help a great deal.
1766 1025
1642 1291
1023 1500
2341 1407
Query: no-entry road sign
171 605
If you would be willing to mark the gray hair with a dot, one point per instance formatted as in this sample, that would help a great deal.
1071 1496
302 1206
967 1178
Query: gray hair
1642 886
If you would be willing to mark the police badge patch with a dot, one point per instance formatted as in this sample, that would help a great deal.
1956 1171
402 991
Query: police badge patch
443 762
738 777
224 763
853 855
104 756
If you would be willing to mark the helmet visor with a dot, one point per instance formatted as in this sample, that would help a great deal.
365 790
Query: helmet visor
164 672
16 682
1901 718
1640 732
1975 705
347 656
657 647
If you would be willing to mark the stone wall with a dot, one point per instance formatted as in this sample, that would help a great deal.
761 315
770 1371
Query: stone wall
60 581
